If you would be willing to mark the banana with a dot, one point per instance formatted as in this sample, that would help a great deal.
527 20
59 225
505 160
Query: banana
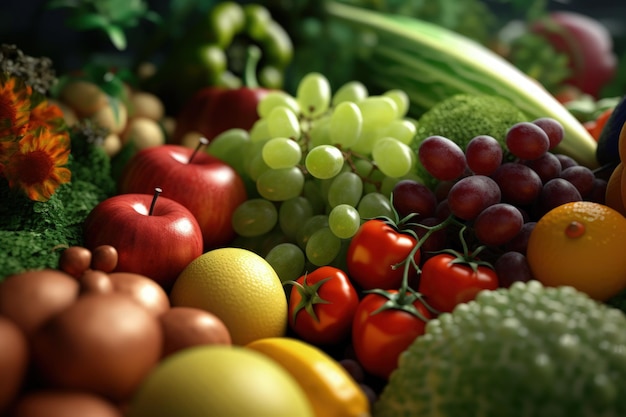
329 387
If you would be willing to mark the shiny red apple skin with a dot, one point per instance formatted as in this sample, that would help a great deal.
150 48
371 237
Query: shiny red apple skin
207 186
158 246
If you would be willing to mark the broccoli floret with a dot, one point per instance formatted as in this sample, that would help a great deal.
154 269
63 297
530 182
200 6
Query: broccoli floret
527 351
462 117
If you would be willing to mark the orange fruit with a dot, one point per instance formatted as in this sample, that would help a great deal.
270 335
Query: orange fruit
238 286
622 143
580 244
613 194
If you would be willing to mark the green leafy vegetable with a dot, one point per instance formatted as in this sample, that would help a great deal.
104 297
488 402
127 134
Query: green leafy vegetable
110 16
527 351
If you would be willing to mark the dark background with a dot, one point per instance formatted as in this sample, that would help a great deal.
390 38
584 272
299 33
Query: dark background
39 31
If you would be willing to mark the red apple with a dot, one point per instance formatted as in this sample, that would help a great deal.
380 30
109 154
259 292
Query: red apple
210 188
155 237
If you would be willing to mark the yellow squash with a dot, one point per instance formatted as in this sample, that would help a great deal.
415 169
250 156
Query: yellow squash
329 387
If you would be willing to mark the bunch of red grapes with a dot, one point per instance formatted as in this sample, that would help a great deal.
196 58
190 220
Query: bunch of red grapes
499 192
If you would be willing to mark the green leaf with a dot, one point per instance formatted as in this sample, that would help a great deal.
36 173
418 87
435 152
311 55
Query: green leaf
116 35
87 21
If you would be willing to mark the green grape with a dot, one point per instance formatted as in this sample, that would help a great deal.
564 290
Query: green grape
288 260
344 221
256 166
370 133
283 122
323 246
403 130
401 98
324 161
259 131
254 217
275 99
363 167
392 157
281 153
319 132
353 91
228 146
346 124
313 193
313 94
378 110
345 188
292 214
261 244
280 184
374 205
312 225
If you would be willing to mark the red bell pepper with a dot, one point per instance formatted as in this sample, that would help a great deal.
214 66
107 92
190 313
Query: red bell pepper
215 109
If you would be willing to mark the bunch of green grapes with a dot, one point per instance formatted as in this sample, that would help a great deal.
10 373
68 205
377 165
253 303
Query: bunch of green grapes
319 163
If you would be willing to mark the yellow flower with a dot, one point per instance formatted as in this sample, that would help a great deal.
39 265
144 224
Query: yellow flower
14 107
38 165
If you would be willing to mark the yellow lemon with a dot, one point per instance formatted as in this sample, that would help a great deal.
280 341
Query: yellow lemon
219 381
239 287
580 244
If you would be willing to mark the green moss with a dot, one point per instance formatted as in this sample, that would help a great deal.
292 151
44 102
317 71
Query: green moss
32 233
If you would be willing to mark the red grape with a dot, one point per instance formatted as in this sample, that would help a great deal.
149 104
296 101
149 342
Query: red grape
566 161
511 267
526 140
553 128
442 158
498 224
547 166
598 192
556 192
410 196
471 195
518 183
581 177
483 154
520 242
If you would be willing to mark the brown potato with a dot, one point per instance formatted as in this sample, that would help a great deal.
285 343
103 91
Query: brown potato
145 104
56 403
105 344
33 297
113 118
84 97
185 327
14 359
104 258
146 291
75 260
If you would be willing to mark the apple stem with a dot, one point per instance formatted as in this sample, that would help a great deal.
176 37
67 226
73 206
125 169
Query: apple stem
201 142
157 191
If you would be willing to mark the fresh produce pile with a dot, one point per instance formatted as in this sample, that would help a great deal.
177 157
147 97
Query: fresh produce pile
222 227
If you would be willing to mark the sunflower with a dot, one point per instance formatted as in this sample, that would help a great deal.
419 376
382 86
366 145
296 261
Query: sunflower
14 107
46 114
38 165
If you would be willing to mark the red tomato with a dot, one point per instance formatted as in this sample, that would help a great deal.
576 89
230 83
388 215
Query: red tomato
322 306
373 252
378 339
445 283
